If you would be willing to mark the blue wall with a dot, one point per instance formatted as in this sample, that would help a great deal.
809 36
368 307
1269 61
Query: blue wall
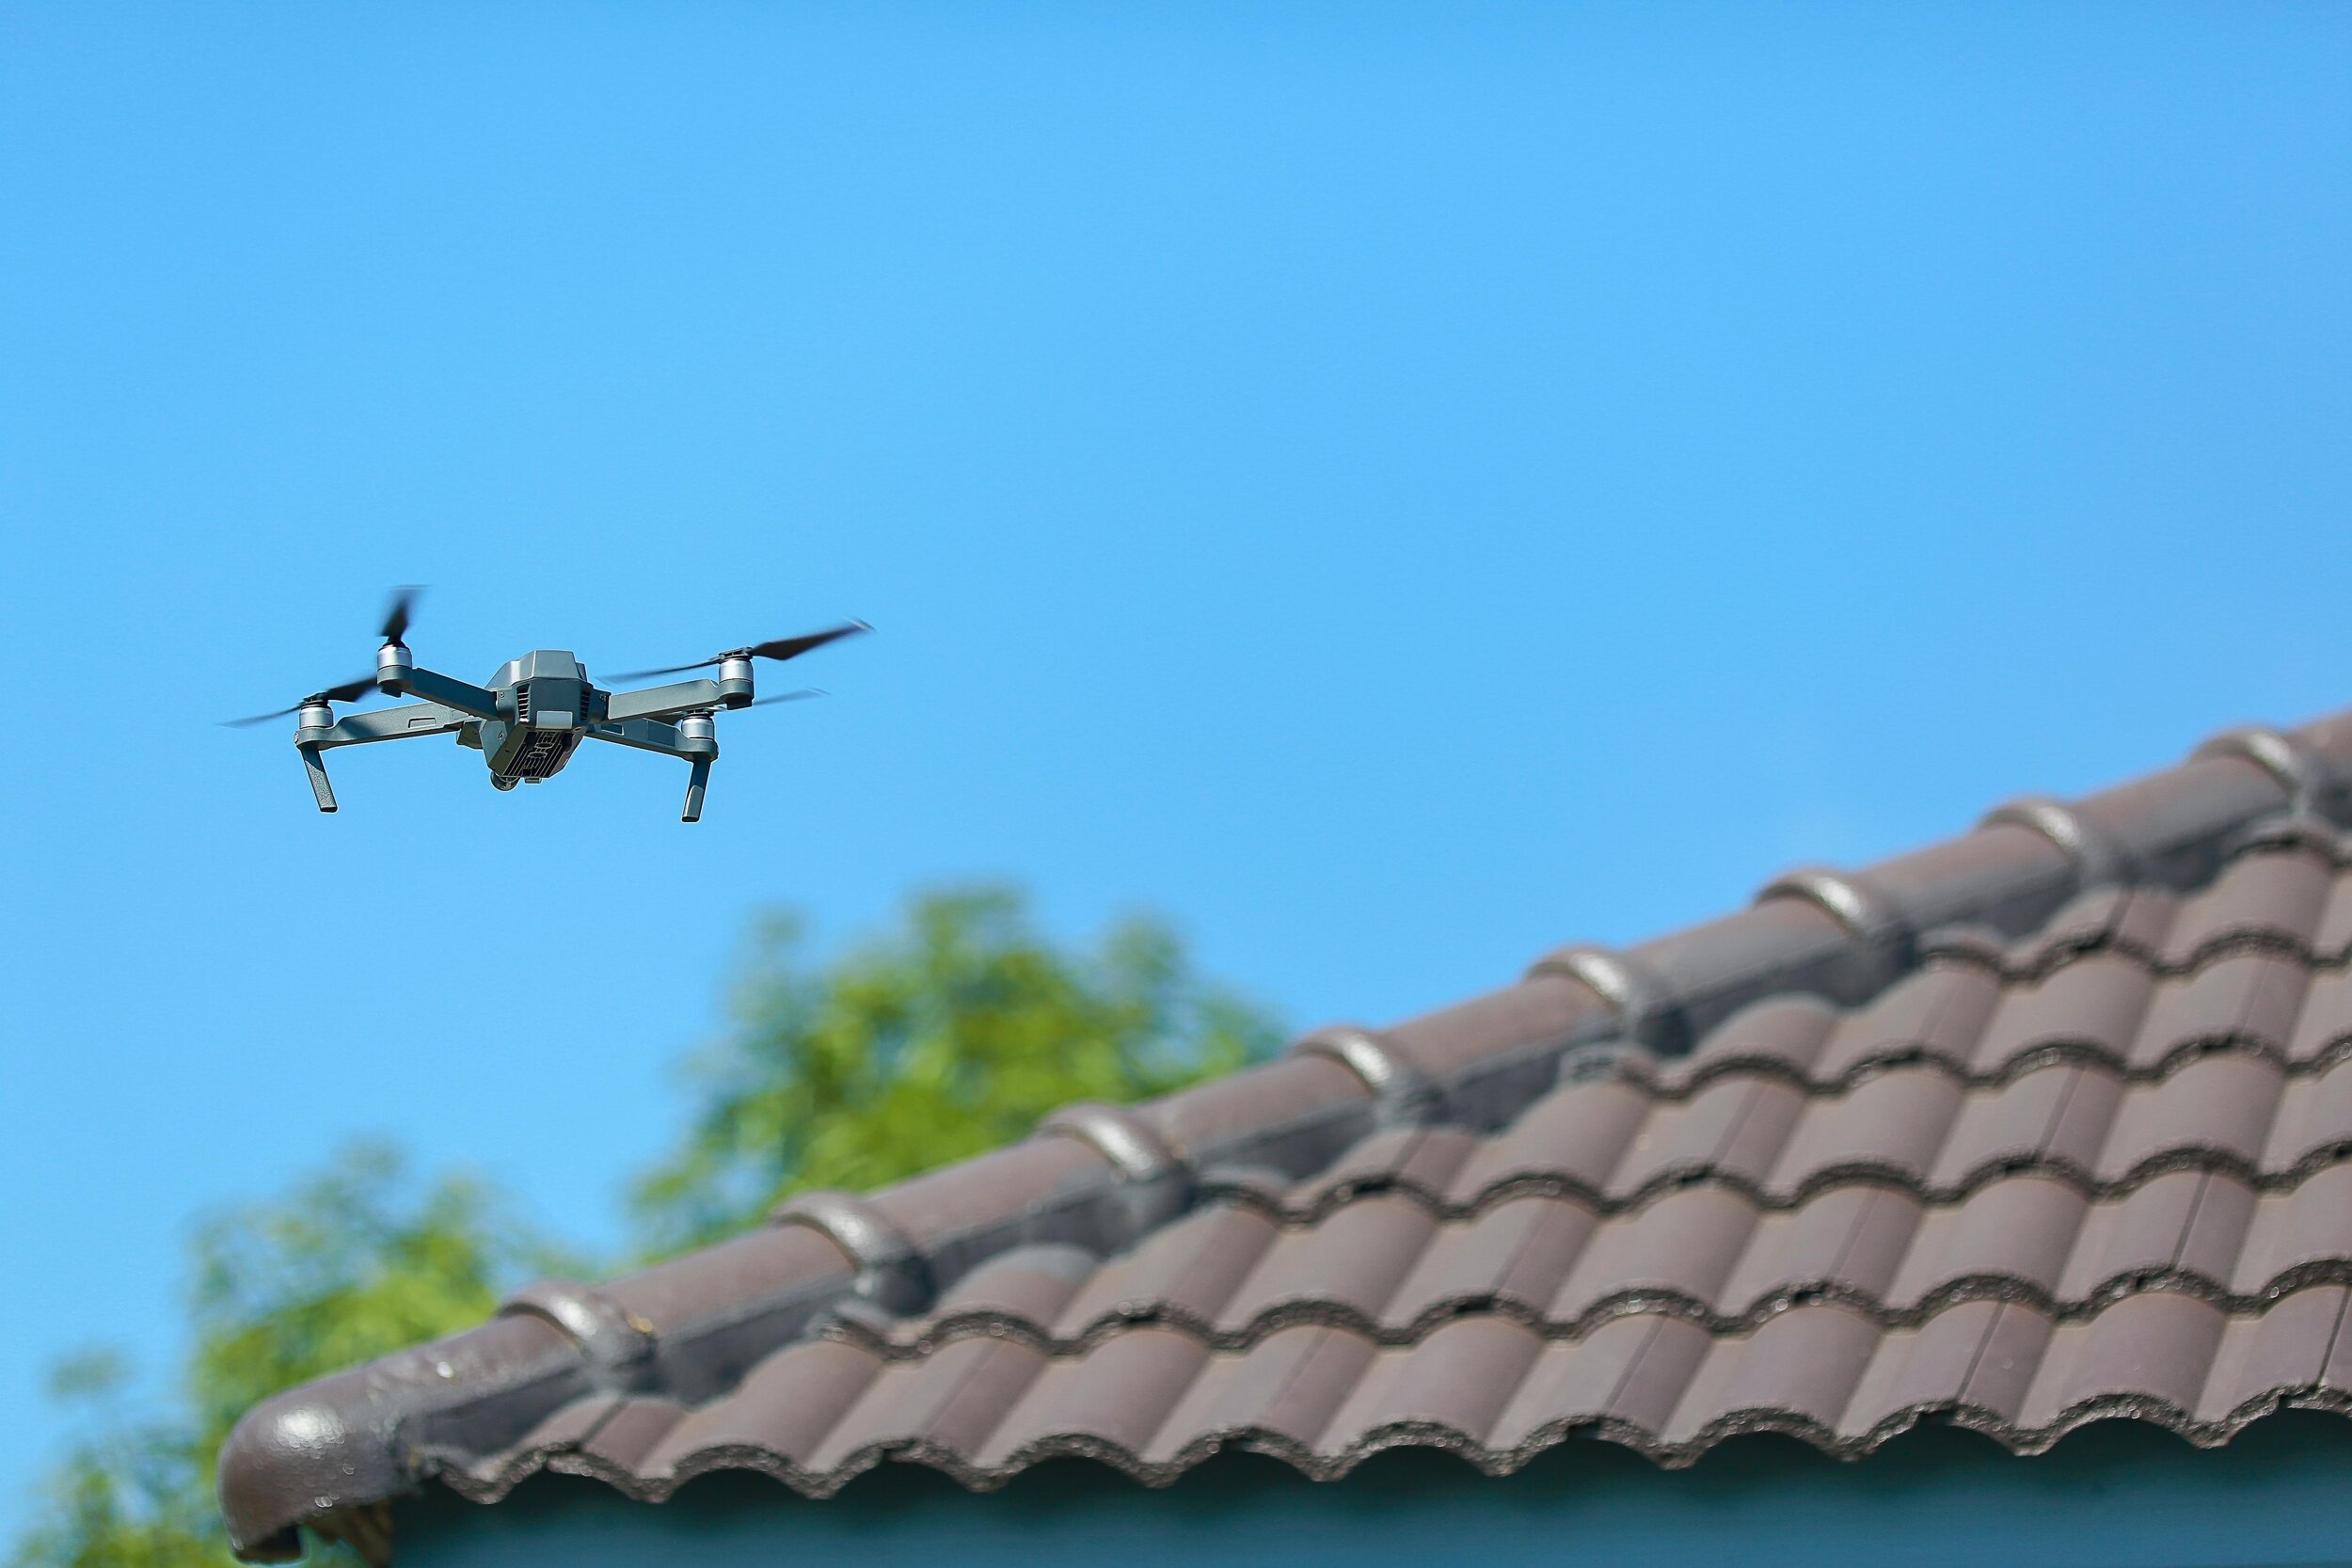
2117 1493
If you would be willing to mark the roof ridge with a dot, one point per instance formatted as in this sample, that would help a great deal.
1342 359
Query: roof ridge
692 1327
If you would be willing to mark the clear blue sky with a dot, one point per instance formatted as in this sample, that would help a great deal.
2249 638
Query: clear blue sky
1394 488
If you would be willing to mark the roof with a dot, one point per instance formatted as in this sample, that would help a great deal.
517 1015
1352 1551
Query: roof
2046 1123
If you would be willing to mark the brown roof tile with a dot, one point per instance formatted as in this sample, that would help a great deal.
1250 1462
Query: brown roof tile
2332 942
2048 1123
2154 1347
1516 1253
2305 1228
1794 1374
1940 1012
1113 1398
2018 1229
787 1405
2275 897
1348 1265
1576 1136
1187 1273
2285 1349
2323 1026
2093 1004
1454 1380
1684 1246
1786 1032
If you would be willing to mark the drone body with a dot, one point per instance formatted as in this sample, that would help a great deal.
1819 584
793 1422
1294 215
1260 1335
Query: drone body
535 710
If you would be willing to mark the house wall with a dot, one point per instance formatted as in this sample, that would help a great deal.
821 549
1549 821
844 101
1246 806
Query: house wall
2117 1493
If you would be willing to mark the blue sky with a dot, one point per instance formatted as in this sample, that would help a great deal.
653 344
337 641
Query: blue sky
1393 488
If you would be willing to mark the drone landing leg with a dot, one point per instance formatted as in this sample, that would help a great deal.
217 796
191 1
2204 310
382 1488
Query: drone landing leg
695 783
316 766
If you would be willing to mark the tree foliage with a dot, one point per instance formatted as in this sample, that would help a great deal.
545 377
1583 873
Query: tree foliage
357 1260
934 1042
122 1497
929 1043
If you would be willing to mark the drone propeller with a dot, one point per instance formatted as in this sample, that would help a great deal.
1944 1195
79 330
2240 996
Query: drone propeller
396 615
350 692
786 697
783 648
396 618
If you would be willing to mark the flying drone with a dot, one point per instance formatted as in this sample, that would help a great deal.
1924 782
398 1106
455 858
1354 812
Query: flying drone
536 709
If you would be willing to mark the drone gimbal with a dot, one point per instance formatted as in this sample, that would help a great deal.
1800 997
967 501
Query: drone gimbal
536 709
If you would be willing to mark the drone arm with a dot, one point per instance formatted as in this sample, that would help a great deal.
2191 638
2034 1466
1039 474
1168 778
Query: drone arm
644 735
435 688
664 702
389 723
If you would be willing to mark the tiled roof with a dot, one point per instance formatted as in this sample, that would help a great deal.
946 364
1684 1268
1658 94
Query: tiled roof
2046 1123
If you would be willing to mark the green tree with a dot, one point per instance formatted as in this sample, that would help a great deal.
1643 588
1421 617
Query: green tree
939 1040
125 1495
933 1041
355 1261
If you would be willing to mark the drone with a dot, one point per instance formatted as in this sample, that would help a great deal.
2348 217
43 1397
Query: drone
536 709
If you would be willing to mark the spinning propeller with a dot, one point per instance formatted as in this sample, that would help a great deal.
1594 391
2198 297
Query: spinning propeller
783 648
396 618
785 697
396 614
350 692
